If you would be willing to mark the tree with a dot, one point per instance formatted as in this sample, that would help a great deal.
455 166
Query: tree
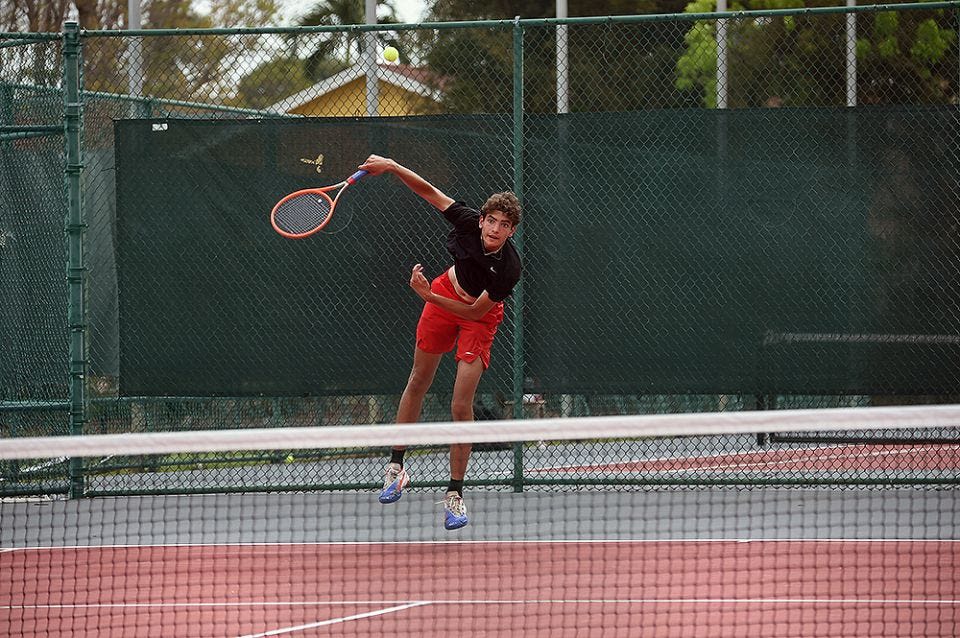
903 57
907 57
39 64
174 67
272 81
611 66
87 16
337 51
202 69
48 16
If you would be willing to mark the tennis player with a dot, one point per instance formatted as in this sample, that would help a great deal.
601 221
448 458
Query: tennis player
463 308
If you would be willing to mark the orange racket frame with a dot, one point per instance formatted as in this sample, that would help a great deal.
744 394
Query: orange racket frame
322 192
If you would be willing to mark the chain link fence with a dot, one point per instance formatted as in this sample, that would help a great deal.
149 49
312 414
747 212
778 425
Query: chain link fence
752 210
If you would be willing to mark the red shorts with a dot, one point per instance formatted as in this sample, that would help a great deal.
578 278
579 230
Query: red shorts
438 329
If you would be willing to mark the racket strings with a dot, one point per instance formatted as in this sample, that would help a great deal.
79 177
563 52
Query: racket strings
303 213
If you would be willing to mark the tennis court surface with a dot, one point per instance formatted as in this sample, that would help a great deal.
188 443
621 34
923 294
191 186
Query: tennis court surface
593 560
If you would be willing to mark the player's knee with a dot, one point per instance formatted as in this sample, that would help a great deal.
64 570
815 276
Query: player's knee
418 383
461 410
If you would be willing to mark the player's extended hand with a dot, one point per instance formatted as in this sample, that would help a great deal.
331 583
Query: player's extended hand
376 165
419 283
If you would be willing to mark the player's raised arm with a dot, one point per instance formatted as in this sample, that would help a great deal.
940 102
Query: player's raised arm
377 165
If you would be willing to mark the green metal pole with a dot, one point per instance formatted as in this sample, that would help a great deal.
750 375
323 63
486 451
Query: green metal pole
75 229
6 119
518 362
8 322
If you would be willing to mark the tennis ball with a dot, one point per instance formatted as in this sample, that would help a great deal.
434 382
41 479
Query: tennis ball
390 54
289 459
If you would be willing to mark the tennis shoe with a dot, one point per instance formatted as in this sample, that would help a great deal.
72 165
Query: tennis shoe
394 481
455 511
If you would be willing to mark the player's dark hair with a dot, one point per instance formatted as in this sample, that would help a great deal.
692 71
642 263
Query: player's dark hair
505 202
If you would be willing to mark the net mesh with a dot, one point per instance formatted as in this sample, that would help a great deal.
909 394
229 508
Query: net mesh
793 556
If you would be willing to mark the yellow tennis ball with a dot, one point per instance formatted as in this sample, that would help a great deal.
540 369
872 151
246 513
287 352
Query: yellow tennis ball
390 54
289 458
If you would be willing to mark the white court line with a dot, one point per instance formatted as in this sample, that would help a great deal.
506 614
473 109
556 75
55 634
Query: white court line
522 601
323 623
522 541
785 463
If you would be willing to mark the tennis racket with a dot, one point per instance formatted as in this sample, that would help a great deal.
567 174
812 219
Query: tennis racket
305 212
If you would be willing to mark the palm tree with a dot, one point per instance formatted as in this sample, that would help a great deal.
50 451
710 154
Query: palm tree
337 49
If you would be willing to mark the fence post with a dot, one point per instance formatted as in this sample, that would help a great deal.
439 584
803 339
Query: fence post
851 54
75 230
721 56
518 363
370 62
135 65
562 61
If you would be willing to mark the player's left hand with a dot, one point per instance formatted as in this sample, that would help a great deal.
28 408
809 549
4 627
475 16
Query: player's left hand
419 283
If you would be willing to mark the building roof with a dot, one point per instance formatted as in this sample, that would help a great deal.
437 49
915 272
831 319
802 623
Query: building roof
414 79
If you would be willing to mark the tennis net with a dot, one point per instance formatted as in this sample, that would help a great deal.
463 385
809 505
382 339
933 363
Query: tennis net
655 542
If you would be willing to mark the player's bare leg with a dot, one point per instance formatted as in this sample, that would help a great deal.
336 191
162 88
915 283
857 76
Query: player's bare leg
464 391
421 378
411 404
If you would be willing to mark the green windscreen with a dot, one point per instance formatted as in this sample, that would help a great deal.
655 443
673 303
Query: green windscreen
213 302
33 255
760 250
755 251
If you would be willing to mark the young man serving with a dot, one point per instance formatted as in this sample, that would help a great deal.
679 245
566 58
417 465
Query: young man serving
463 308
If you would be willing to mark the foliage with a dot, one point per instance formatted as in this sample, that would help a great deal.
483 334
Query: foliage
337 51
794 61
609 67
47 16
241 13
697 67
270 82
178 68
183 68
40 64
903 57
906 58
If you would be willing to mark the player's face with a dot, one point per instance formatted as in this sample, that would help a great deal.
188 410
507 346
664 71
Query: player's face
495 230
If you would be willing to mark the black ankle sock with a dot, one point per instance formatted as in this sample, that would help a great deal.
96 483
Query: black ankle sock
455 486
396 456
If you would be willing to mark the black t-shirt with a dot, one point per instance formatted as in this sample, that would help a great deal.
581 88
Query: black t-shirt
497 273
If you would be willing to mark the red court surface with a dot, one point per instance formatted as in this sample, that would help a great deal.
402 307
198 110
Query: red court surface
852 588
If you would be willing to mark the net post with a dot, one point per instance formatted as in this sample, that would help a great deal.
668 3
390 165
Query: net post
760 403
75 231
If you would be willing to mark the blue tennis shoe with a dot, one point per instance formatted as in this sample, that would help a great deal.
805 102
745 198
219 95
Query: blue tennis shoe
454 511
393 483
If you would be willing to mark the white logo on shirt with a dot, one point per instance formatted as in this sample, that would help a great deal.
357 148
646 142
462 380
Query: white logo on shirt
493 270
